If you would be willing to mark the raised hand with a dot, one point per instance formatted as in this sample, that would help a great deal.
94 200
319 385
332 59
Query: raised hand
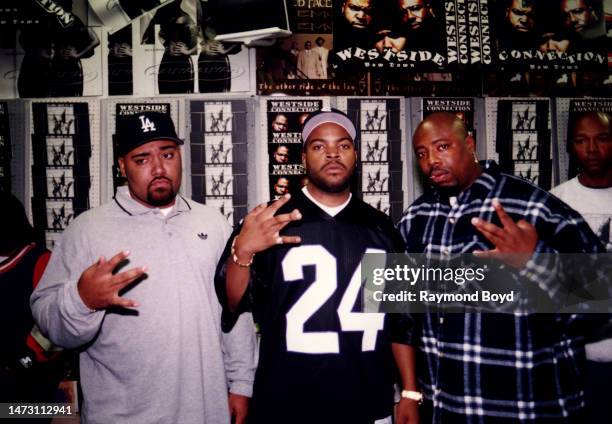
261 229
514 242
99 287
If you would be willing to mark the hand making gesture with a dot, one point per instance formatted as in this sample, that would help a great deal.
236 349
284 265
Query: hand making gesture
99 287
261 229
514 242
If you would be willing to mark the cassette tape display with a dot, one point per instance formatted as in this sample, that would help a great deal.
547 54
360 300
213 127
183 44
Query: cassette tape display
379 168
523 140
61 180
219 156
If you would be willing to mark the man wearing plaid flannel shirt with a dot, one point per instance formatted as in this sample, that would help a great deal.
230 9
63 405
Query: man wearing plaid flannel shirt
490 367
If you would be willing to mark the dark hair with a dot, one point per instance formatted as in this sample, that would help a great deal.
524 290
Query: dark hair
17 231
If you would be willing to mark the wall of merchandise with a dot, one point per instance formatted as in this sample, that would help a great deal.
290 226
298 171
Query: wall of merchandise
68 67
57 154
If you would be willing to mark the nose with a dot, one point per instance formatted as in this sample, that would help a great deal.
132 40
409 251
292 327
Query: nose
332 152
592 145
157 166
432 158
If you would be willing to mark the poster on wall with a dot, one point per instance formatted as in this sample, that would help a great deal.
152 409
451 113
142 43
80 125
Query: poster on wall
219 156
379 165
395 35
300 64
60 56
179 39
284 120
61 177
550 34
523 140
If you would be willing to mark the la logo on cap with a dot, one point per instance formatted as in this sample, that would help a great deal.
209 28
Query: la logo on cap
147 125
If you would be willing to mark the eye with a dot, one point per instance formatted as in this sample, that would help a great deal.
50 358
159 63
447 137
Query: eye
140 161
317 147
578 140
420 155
345 146
168 155
443 146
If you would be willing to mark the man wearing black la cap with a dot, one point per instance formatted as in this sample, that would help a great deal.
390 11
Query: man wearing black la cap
159 356
321 359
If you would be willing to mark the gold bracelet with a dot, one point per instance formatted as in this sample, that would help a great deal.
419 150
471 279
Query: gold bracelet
235 258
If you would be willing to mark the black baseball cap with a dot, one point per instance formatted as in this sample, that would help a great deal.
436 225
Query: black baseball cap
140 128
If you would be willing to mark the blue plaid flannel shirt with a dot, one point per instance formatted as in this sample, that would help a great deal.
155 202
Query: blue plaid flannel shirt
490 367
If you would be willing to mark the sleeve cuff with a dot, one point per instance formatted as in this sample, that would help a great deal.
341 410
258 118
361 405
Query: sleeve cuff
242 388
76 304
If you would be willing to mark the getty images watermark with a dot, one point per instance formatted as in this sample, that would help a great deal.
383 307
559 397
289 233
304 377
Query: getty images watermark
548 283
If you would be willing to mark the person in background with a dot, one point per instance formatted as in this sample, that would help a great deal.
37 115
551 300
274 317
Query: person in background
590 193
28 372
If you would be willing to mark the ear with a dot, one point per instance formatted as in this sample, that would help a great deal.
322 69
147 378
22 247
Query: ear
470 143
121 162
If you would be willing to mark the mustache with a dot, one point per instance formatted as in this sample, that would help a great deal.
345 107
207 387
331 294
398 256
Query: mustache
160 178
333 162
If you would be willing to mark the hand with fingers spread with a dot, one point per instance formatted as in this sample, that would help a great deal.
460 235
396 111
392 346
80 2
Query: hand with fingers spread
514 242
99 287
261 229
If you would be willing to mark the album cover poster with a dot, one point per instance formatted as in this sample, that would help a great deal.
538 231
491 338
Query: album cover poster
187 58
300 64
408 35
59 214
549 34
584 114
379 167
61 56
219 156
5 149
284 121
524 140
116 14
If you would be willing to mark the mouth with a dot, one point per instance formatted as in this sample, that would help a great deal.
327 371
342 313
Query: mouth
334 167
159 183
438 176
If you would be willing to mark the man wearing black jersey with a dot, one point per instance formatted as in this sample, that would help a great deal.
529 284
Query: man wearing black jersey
296 262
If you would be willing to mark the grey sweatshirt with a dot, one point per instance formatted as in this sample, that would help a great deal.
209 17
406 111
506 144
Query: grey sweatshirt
167 361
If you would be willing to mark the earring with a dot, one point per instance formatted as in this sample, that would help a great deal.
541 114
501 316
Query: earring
475 157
